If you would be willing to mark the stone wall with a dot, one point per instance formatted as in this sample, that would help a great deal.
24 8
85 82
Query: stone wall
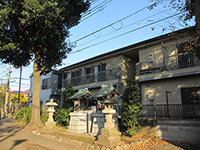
97 122
174 130
80 122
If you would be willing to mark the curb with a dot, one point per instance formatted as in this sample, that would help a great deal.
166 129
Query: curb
88 146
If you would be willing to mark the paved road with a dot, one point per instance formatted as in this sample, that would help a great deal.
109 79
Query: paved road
13 136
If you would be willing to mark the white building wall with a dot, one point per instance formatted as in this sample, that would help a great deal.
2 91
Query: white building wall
45 93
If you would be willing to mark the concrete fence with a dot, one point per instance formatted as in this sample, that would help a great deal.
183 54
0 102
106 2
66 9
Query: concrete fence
175 130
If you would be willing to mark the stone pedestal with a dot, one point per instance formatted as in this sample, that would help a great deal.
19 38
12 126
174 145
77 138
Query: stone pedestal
109 135
80 122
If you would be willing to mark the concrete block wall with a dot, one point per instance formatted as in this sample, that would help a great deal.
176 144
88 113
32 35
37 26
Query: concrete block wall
173 130
180 130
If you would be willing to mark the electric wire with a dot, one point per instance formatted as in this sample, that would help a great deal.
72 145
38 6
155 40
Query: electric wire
134 13
100 8
94 8
122 28
126 33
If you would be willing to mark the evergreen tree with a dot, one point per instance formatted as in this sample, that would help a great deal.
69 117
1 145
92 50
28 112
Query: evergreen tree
36 30
131 106
67 103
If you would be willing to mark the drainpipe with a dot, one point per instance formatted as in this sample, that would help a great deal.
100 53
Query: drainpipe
118 99
167 102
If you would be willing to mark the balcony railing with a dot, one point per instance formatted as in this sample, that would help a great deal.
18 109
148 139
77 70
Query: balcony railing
106 75
182 60
171 111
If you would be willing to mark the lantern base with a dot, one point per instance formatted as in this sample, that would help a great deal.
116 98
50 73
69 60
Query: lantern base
109 137
50 125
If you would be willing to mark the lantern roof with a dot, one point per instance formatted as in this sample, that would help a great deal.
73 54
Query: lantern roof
106 90
51 103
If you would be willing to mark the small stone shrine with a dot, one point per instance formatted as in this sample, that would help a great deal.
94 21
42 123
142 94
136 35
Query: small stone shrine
50 122
79 118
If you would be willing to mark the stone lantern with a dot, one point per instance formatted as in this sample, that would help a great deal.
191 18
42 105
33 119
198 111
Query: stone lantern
50 122
110 136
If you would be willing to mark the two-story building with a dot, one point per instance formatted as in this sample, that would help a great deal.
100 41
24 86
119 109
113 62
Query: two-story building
113 67
167 73
169 76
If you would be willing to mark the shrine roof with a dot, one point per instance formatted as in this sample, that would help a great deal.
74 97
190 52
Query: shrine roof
81 93
105 90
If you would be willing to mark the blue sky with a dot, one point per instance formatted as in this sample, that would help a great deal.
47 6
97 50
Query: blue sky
142 24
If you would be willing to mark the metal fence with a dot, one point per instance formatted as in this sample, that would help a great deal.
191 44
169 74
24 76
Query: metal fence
171 111
94 77
182 60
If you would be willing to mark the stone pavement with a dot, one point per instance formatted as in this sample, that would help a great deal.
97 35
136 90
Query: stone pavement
13 136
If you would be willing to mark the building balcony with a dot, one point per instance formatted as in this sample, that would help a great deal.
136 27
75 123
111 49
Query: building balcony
173 62
101 76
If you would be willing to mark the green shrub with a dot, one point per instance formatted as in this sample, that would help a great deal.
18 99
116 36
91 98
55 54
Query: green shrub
131 106
24 115
67 103
62 116
27 115
44 117
19 115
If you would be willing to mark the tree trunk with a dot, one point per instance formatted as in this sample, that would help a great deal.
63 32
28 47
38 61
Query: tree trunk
36 122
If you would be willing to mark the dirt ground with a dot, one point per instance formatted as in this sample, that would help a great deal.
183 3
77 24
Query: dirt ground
152 143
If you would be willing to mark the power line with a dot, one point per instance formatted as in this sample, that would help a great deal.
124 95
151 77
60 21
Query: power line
94 8
126 33
113 23
122 28
98 9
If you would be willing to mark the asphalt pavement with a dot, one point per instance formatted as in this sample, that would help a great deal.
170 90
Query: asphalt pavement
13 136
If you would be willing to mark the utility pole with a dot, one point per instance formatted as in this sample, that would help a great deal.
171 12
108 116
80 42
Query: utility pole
7 93
20 79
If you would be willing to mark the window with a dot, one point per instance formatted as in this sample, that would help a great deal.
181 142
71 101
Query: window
76 77
102 67
46 83
96 73
190 95
76 73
